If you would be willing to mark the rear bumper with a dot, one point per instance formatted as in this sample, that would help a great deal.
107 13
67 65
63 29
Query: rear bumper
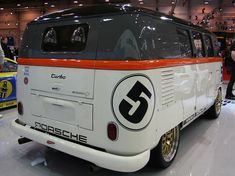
102 159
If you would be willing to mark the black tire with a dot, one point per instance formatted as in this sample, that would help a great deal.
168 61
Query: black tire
214 111
169 146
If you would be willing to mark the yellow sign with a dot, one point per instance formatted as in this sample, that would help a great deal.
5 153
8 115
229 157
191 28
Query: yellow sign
5 88
7 104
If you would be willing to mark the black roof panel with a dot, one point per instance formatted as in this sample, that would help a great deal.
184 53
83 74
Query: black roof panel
106 9
84 11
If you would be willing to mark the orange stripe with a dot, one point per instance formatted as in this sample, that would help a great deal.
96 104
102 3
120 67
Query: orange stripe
116 65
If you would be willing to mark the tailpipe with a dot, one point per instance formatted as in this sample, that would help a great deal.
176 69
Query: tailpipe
24 140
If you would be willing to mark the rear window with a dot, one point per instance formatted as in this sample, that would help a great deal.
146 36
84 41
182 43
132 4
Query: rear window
69 38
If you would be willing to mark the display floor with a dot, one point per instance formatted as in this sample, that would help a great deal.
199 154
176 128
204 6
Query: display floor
207 148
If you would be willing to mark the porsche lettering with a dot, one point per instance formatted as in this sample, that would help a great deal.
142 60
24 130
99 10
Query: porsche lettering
61 132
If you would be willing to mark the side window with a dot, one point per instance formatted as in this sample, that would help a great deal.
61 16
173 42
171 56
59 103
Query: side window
127 46
165 41
208 46
216 45
184 43
118 42
198 44
70 38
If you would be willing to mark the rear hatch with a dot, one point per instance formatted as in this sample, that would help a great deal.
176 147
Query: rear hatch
59 88
61 94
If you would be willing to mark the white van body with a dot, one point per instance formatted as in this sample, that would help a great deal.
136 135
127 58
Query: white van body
69 107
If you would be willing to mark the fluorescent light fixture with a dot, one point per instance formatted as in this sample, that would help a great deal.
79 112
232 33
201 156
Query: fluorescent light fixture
165 18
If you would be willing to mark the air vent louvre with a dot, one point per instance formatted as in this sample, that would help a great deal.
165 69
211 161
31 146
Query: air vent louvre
167 87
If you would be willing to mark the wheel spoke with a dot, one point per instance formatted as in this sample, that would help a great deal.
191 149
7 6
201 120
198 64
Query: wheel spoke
218 103
170 144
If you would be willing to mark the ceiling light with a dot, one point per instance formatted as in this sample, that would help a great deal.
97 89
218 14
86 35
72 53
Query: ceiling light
75 2
52 5
1 8
106 0
45 3
141 2
206 2
18 5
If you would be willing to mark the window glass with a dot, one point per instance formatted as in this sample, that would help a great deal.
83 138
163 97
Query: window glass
118 41
70 38
198 45
164 41
216 45
208 46
138 38
127 46
184 43
9 66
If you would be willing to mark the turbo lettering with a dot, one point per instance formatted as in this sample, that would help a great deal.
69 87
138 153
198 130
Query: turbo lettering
58 76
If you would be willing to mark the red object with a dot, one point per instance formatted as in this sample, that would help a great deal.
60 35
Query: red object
26 80
50 142
226 74
112 131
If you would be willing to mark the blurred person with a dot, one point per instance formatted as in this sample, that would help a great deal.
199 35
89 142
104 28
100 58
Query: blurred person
5 48
226 56
231 68
1 64
2 56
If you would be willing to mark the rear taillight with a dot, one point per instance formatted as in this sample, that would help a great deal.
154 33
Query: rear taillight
112 131
20 108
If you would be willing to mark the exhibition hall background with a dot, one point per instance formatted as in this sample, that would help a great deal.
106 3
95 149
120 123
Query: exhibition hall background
215 15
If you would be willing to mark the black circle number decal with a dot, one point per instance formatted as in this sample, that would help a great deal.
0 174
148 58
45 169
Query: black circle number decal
134 94
133 101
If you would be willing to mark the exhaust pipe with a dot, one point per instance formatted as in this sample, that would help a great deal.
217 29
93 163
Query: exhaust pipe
24 140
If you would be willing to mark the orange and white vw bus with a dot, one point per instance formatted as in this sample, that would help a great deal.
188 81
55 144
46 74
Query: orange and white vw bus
115 84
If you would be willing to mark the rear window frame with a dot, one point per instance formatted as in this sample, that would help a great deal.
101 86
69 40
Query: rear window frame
75 26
